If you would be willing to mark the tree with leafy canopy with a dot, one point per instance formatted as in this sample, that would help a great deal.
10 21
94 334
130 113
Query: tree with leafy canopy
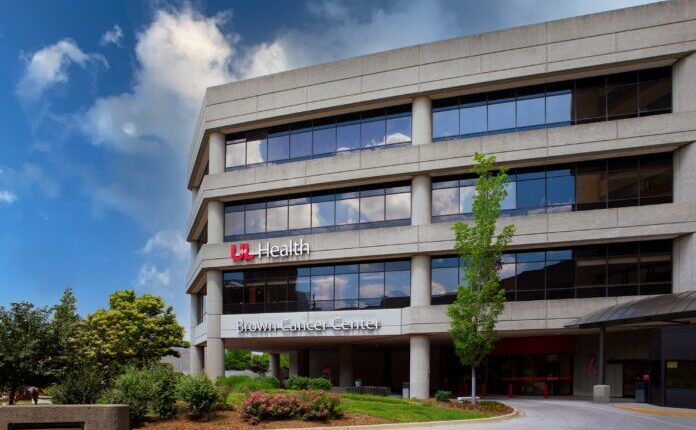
25 346
133 331
480 300
64 329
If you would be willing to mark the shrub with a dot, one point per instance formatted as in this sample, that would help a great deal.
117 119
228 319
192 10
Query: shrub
297 383
199 393
304 383
132 388
163 380
247 383
443 395
322 384
79 387
308 405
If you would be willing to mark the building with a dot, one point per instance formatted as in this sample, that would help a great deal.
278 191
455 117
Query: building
323 199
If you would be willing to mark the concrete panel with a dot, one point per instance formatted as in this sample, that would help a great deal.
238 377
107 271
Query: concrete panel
334 89
232 91
450 69
341 162
391 60
389 79
514 58
283 81
281 99
230 109
656 36
335 71
94 417
586 47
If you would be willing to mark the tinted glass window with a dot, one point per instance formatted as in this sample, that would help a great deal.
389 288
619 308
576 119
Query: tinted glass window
398 206
501 116
473 119
559 107
531 194
278 148
347 286
398 130
235 155
324 140
277 218
348 137
445 201
397 284
531 111
255 221
445 123
444 280
301 144
372 133
348 211
256 151
372 209
323 214
234 223
300 216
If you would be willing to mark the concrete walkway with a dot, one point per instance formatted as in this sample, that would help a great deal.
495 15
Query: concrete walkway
539 414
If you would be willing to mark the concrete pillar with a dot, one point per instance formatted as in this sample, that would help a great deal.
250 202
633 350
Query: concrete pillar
292 358
196 359
419 378
216 153
420 280
345 361
684 247
216 222
195 352
421 200
274 365
215 354
683 88
194 250
422 117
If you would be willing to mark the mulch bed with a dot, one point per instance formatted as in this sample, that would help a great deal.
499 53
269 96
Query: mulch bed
234 420
494 408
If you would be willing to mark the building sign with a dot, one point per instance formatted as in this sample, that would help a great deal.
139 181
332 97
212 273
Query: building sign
290 249
288 325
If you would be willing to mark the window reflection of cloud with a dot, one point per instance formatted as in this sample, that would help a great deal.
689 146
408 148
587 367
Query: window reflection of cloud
398 206
347 211
254 151
372 209
397 138
445 201
346 286
322 287
322 214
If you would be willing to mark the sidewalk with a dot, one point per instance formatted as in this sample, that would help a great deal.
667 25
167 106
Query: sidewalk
645 408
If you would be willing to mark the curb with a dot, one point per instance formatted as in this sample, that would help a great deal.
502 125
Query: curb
655 411
515 412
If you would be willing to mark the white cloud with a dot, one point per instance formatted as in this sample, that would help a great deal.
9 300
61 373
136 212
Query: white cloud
152 278
7 197
167 242
27 177
112 36
49 66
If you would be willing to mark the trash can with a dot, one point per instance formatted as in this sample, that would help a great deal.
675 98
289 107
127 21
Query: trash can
405 390
640 392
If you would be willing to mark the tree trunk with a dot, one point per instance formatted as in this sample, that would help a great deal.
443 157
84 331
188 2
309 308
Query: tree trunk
473 385
11 394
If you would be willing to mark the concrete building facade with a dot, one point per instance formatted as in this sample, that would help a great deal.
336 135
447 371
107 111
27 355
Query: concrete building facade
323 198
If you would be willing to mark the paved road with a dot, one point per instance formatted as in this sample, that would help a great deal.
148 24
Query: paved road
579 415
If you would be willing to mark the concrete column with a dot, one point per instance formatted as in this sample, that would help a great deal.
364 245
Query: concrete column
194 250
216 153
196 357
419 378
292 358
683 88
216 222
422 117
345 361
420 280
215 354
274 365
421 200
195 352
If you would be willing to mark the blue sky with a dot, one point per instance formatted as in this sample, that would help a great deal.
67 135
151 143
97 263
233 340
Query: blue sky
98 102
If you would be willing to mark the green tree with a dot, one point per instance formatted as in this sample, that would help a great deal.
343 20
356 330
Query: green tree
134 330
25 346
480 300
237 359
64 330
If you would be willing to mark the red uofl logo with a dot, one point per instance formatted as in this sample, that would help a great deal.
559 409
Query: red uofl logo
243 253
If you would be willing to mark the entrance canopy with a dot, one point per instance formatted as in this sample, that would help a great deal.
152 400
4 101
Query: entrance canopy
669 308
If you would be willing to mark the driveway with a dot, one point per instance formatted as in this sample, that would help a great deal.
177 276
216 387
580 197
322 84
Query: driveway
579 415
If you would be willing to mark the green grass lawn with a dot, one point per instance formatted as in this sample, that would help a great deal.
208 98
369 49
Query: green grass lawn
404 410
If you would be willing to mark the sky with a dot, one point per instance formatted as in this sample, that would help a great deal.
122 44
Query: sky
98 102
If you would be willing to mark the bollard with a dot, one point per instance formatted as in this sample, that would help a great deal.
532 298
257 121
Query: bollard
546 390
510 390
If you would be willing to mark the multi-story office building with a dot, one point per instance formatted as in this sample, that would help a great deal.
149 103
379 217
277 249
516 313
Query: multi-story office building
323 199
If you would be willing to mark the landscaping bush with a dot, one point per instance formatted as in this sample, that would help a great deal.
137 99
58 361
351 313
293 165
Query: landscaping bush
163 380
443 395
81 387
304 383
132 388
247 383
322 384
200 395
308 405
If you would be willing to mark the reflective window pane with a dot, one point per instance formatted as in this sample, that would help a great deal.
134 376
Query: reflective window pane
399 130
277 218
559 108
560 190
256 151
372 133
347 286
347 211
234 223
622 101
397 284
322 287
255 221
510 200
531 111
531 194
372 209
501 116
655 96
372 285
278 148
473 120
348 137
444 281
398 206
235 155
466 199
445 201
323 214
300 216
445 123
300 144
324 140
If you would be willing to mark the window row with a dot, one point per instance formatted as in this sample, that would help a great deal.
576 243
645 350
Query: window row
628 181
385 284
625 269
617 96
320 137
366 207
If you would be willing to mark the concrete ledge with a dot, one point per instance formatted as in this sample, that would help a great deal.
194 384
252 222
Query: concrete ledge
94 417
426 424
